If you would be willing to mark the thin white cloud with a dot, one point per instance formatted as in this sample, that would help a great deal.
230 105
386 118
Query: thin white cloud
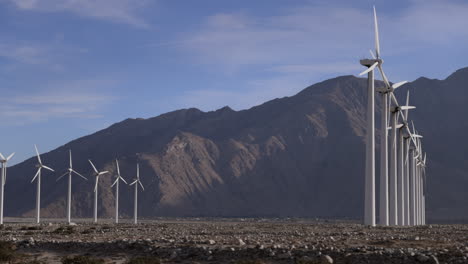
121 11
74 99
312 42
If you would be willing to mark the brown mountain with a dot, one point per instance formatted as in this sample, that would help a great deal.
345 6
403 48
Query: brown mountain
300 156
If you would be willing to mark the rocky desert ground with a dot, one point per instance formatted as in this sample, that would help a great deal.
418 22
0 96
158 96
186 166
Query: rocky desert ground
241 241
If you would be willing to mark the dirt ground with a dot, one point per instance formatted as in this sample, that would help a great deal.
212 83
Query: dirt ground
231 241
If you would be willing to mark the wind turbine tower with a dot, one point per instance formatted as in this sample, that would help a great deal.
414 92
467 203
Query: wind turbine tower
136 182
96 174
70 172
4 162
116 183
39 167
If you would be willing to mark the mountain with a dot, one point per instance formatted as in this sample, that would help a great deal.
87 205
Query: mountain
298 156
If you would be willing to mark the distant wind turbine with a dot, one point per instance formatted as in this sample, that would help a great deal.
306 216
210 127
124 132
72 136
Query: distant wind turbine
39 167
116 183
4 162
136 182
96 174
70 172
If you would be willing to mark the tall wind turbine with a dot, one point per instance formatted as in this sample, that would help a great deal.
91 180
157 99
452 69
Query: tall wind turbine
136 182
369 189
70 172
39 167
404 177
401 184
422 165
387 93
4 162
96 174
116 183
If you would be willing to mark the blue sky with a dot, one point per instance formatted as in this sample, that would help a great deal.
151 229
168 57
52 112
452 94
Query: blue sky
69 68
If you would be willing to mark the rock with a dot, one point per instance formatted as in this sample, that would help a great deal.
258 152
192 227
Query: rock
325 259
241 242
211 242
422 258
434 260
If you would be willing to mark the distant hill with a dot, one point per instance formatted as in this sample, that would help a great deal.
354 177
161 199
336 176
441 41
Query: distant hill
298 156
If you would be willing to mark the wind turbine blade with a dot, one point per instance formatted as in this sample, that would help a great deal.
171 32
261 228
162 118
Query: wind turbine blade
11 156
103 172
138 171
38 156
407 155
376 29
399 126
407 107
123 180
37 173
396 85
94 168
116 180
2 157
424 160
118 169
133 182
96 184
71 164
407 104
372 54
384 76
47 168
61 176
141 185
74 171
371 68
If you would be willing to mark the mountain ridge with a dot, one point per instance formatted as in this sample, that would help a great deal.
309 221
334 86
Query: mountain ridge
300 156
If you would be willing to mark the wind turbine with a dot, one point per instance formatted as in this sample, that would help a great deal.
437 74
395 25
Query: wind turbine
401 184
116 183
403 167
70 172
4 162
39 167
369 189
136 182
422 164
96 174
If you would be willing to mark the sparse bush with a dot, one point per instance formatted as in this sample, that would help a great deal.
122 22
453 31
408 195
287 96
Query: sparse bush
82 260
144 260
256 261
7 251
67 230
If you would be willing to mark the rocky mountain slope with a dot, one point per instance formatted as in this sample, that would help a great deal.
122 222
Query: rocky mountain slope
300 156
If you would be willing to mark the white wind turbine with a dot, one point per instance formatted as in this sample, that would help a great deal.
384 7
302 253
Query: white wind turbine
369 207
116 183
422 165
39 167
96 174
136 182
369 189
403 172
4 162
70 172
401 183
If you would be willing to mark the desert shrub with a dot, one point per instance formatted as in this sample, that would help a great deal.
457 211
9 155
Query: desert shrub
82 260
256 261
7 251
144 260
64 230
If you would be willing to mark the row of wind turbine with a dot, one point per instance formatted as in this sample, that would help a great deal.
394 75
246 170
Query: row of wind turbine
401 194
